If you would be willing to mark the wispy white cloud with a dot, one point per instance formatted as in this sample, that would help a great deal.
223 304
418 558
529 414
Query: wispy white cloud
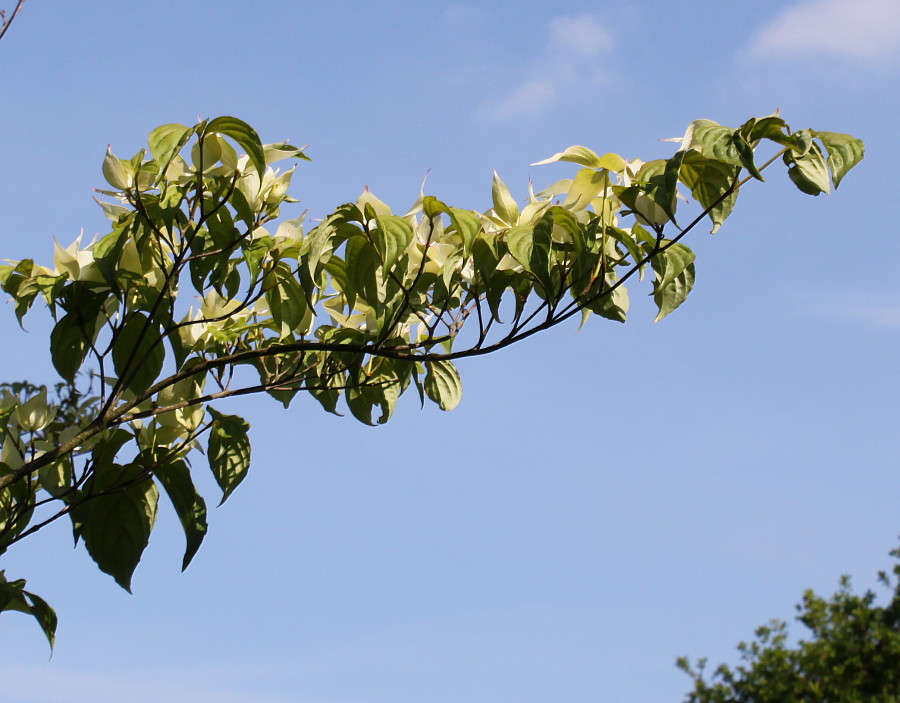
571 59
582 36
863 30
529 97
856 306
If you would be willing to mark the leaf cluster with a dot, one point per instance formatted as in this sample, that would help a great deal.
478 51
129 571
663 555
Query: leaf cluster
196 295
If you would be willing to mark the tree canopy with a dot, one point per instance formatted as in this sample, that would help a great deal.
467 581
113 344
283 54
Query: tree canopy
197 294
852 654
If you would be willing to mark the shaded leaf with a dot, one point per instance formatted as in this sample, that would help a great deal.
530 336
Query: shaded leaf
13 596
175 478
710 181
228 451
118 523
674 268
808 171
68 346
612 305
137 352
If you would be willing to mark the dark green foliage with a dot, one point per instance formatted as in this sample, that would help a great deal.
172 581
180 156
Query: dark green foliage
851 654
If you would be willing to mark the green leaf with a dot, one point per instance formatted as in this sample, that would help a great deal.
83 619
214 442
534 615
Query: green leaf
380 391
103 455
285 298
844 152
13 596
661 178
809 172
361 266
108 252
138 353
56 478
710 181
391 238
644 206
175 478
726 145
165 142
520 241
118 523
771 127
628 241
228 451
244 135
45 616
800 141
674 268
442 384
612 306
68 346
467 224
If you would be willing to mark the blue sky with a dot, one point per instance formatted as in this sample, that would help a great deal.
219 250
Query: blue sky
600 502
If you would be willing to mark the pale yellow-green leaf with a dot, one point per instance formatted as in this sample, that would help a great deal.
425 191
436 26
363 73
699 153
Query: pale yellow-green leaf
35 414
504 205
115 173
574 154
367 198
586 185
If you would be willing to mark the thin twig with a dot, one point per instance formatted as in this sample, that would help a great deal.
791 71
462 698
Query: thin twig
7 22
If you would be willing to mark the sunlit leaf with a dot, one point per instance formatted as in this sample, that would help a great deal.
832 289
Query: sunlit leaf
115 173
586 185
392 238
166 141
844 152
442 384
586 157
244 135
504 205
